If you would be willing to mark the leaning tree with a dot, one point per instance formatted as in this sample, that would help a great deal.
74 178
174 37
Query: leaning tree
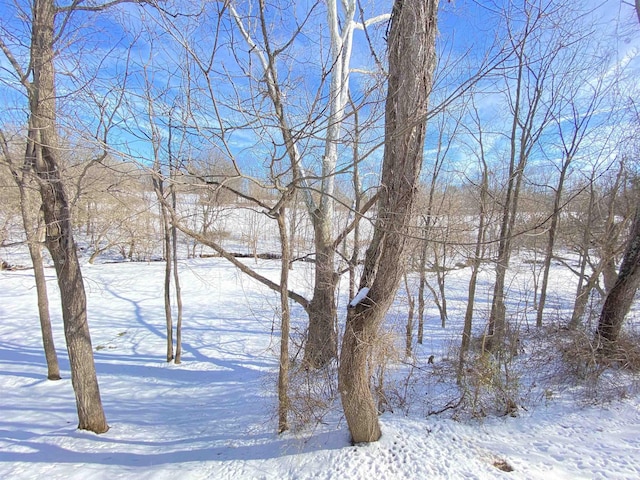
620 297
411 45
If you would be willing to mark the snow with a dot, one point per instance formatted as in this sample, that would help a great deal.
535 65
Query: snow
361 295
214 415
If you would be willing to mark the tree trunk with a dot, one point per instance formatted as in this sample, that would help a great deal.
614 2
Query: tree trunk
165 217
468 315
422 287
551 240
42 150
168 255
322 343
582 299
411 63
497 316
283 371
475 264
607 246
408 343
609 271
439 296
176 281
621 296
584 290
520 140
53 368
428 220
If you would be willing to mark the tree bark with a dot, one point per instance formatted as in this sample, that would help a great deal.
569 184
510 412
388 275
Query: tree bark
322 341
285 321
35 252
422 287
621 296
42 152
411 63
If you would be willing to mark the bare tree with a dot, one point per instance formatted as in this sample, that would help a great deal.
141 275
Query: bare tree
408 336
285 317
411 62
301 127
529 102
429 220
620 297
321 346
478 252
578 100
161 111
42 154
599 225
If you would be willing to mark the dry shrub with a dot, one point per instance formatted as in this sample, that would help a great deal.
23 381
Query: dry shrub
489 385
598 377
579 356
402 390
384 354
625 354
313 395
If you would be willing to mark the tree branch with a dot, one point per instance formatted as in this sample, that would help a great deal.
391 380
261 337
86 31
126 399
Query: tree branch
77 7
296 297
356 219
16 66
373 21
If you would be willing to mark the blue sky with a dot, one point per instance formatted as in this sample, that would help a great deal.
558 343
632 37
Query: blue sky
102 50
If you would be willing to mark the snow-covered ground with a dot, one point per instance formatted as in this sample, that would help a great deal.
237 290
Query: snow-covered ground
214 415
